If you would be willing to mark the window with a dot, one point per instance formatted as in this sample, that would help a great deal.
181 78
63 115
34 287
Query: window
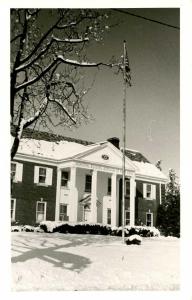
109 216
64 178
63 213
149 219
127 187
13 170
40 211
42 175
13 205
88 181
16 171
149 191
127 217
109 186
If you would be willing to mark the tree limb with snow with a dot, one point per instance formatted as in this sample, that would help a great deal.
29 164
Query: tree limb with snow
46 59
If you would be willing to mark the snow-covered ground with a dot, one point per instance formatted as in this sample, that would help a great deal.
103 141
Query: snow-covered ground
43 261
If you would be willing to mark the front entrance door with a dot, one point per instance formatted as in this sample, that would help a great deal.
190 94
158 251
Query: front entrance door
127 199
87 213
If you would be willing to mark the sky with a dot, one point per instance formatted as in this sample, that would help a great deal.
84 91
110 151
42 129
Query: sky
153 104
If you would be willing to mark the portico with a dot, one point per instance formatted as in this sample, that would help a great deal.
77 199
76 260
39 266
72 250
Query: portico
103 200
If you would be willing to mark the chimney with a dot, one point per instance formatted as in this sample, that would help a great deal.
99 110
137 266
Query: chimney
115 141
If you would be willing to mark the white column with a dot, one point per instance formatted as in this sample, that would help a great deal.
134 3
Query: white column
160 199
58 192
73 199
94 197
114 206
132 201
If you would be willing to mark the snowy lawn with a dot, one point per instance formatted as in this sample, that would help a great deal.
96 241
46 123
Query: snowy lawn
43 261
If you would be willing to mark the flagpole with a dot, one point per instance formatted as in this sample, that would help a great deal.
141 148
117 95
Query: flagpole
124 141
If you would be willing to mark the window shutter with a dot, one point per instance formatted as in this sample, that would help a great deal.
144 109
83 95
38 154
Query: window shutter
144 190
19 172
49 176
153 191
36 174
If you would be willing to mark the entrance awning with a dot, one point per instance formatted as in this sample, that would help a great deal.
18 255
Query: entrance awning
87 200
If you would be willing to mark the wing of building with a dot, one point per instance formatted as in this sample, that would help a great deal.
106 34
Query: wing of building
61 178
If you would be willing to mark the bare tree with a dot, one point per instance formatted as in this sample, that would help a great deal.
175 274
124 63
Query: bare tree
47 52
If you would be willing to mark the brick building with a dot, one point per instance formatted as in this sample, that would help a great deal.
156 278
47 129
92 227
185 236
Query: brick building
60 178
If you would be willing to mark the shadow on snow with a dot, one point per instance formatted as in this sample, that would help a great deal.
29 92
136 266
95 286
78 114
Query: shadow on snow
52 255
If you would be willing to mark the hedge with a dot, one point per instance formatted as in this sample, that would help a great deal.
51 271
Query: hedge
84 228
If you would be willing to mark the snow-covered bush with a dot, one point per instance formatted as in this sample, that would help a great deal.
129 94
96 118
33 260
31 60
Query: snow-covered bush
16 228
85 228
79 228
134 239
27 228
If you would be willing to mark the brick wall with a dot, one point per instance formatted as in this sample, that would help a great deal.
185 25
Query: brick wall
142 206
27 193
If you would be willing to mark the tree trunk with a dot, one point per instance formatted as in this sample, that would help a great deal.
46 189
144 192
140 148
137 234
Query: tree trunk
14 147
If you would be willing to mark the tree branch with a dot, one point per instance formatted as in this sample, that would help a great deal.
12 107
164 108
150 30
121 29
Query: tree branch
41 40
53 39
41 110
60 58
63 108
16 37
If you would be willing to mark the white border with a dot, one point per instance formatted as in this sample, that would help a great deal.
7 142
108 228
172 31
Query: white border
186 148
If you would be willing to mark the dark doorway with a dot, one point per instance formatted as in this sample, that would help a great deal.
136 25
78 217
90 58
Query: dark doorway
127 197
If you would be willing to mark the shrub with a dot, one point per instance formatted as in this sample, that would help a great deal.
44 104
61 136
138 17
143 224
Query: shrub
84 228
134 239
27 228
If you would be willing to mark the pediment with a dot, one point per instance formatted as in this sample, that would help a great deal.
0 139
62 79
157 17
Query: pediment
108 155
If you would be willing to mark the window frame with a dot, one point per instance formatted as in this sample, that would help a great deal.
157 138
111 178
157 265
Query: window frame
65 179
66 217
151 214
14 209
88 188
15 171
150 192
42 176
127 211
127 188
153 193
45 210
108 216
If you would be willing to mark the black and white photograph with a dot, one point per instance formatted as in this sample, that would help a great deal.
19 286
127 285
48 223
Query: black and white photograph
94 166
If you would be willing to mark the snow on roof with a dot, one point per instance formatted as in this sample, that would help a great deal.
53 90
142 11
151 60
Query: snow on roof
148 169
54 150
43 144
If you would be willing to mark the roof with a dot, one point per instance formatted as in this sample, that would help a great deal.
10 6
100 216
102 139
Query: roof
136 156
49 137
148 169
58 147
